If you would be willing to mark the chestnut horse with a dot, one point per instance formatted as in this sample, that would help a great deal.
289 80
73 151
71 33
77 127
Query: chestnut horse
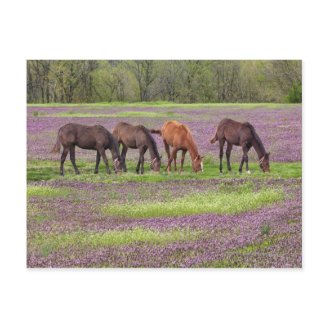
137 137
244 135
87 137
179 137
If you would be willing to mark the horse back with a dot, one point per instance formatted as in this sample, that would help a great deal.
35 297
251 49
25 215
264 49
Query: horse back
234 132
176 134
83 136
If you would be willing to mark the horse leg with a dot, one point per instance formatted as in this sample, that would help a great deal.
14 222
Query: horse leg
62 160
174 153
167 149
244 159
123 156
182 158
221 141
72 157
175 162
104 157
142 158
245 150
138 166
97 162
228 153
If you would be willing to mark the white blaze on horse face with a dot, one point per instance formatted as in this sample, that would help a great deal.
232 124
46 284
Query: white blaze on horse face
201 165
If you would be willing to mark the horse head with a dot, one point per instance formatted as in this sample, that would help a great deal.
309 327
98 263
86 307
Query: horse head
197 163
155 164
118 164
264 163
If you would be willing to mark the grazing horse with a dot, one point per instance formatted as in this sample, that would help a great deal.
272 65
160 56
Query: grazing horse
179 137
137 137
244 135
87 137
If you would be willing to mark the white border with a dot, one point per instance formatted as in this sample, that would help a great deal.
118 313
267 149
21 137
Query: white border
162 30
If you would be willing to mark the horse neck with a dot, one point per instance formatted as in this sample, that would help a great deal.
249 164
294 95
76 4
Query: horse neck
259 148
114 149
152 151
192 148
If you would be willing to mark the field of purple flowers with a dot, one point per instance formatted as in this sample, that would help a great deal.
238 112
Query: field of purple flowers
71 220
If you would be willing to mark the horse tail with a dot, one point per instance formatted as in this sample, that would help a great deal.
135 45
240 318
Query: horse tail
56 147
156 131
214 139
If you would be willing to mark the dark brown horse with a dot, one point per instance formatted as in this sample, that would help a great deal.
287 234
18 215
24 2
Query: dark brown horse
244 135
179 137
87 137
137 137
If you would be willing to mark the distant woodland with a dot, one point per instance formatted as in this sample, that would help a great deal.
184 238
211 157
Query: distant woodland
180 81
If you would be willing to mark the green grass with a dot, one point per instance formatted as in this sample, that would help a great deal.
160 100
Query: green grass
166 104
245 199
45 191
38 170
49 242
121 114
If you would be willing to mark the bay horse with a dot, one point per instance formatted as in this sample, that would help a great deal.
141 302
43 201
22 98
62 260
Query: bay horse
178 136
244 135
87 137
137 137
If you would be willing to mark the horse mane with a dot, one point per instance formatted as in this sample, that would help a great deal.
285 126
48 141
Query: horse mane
113 142
255 135
151 139
185 128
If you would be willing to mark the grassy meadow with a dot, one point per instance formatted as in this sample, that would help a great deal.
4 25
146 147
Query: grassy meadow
207 219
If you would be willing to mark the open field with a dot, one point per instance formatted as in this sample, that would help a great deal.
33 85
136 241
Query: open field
165 220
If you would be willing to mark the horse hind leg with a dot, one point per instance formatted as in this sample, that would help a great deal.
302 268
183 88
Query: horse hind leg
97 162
173 154
228 153
221 141
72 157
175 161
62 160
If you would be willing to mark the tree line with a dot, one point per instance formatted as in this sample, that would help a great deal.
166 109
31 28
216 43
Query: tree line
181 81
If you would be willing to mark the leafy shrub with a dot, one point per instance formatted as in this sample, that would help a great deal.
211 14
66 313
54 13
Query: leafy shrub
295 94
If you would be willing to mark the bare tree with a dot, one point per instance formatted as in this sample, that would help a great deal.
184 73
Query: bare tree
145 73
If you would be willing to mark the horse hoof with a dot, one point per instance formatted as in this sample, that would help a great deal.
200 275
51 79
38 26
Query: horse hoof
96 172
